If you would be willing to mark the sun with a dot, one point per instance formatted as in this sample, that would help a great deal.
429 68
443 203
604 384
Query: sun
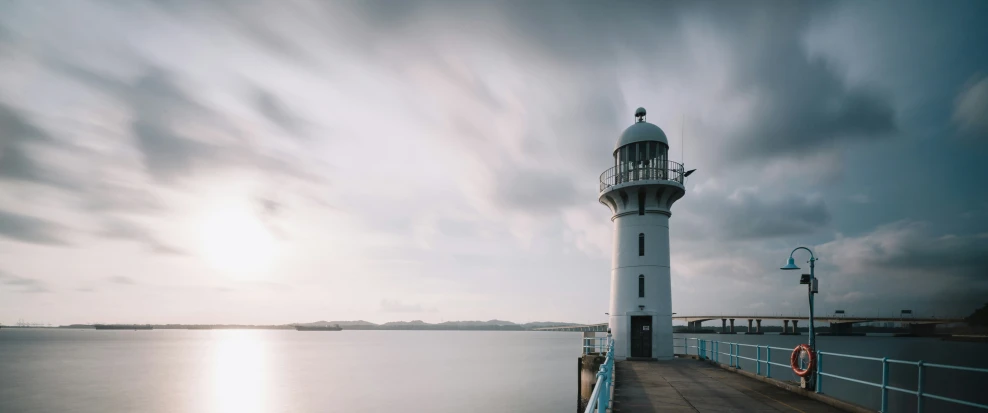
235 241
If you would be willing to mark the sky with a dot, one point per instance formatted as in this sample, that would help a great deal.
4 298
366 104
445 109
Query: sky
268 162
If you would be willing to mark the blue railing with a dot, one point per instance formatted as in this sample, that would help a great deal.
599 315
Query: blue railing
711 350
600 399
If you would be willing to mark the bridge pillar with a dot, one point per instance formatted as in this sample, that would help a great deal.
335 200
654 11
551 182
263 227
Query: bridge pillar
695 326
759 326
723 325
732 326
795 327
749 326
785 327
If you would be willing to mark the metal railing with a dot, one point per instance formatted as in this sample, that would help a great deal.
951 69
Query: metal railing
657 171
600 399
595 345
711 350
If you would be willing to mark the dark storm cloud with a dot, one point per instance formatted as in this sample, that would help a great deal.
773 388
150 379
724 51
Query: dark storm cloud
971 107
799 104
22 284
752 216
908 262
30 229
122 229
911 247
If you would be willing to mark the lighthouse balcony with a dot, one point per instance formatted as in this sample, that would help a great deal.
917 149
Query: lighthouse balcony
642 173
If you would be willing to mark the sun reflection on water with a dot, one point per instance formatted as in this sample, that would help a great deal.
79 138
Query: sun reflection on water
238 373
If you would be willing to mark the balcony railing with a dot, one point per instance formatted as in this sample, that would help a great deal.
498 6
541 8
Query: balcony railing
656 171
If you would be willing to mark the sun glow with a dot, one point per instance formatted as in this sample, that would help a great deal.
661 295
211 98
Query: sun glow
236 242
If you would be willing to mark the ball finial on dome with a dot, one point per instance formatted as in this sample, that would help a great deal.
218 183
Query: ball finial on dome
640 115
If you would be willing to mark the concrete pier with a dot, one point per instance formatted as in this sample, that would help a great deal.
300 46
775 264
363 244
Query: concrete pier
686 385
587 366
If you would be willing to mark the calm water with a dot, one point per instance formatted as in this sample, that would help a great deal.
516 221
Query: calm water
286 371
381 371
958 384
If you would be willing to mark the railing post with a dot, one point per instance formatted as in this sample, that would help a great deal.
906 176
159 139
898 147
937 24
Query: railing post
919 388
768 361
885 384
758 360
819 369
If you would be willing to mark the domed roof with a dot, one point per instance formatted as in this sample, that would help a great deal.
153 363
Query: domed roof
642 131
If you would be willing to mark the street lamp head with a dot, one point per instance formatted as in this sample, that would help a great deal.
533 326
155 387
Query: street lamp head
791 265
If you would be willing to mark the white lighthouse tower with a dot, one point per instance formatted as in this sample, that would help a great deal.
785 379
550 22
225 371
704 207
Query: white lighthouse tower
640 190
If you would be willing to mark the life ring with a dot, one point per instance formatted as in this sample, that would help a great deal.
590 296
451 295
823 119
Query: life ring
794 360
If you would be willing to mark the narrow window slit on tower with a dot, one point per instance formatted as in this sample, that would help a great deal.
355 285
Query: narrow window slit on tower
641 245
641 285
641 203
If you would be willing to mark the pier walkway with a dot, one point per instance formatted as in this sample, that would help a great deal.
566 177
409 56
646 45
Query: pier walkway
686 385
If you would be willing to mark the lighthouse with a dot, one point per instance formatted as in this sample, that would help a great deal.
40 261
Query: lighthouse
640 189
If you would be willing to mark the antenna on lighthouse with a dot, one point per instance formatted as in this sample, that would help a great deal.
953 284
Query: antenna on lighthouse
682 140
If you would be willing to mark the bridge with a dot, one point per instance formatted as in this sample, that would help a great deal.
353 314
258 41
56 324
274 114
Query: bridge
601 328
840 324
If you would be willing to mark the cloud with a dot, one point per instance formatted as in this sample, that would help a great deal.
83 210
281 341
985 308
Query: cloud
749 215
971 107
395 306
538 191
119 279
19 138
275 111
860 198
22 284
123 229
30 229
907 262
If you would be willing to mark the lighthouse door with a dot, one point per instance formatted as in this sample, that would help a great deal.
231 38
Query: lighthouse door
641 336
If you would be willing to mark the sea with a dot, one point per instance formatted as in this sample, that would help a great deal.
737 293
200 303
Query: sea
243 371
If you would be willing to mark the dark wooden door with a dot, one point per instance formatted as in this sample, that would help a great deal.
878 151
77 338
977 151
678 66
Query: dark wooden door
641 336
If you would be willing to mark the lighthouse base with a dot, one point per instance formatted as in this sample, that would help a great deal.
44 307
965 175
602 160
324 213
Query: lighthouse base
642 336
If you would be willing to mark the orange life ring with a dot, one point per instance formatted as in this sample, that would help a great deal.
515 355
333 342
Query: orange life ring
794 360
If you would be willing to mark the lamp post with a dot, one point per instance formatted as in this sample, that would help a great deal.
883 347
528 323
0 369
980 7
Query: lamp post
811 287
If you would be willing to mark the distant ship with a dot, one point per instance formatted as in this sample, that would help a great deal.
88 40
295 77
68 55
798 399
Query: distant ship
123 327
319 328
